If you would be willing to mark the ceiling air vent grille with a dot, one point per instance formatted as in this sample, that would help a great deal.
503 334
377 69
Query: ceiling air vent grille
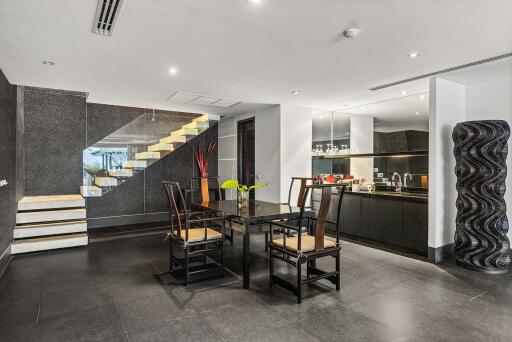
202 99
106 16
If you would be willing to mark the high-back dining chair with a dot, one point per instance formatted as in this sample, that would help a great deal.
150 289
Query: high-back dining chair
195 233
303 182
299 249
216 191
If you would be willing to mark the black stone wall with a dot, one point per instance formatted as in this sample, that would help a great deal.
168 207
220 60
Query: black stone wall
7 166
53 139
55 126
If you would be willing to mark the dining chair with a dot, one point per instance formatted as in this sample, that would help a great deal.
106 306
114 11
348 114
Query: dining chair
306 248
301 198
216 191
194 233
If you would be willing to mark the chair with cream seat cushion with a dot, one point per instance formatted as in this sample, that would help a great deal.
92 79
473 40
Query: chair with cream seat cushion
195 233
307 247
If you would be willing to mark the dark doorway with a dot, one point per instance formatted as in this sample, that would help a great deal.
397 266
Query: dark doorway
246 135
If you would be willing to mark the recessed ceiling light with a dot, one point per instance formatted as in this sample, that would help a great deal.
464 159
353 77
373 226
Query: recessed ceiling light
413 54
365 108
173 71
403 92
50 63
255 1
348 133
423 97
418 113
295 92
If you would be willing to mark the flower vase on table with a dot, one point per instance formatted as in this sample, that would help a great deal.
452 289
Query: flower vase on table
243 199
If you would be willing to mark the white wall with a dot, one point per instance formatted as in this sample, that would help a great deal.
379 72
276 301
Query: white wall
361 141
296 141
447 108
451 103
267 151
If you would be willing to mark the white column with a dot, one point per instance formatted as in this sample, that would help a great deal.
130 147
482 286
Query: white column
296 146
361 141
447 108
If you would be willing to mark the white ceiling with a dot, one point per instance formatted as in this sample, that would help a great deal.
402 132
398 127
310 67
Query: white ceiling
237 50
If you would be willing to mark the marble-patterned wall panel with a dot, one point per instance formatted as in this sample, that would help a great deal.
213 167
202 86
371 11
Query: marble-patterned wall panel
55 126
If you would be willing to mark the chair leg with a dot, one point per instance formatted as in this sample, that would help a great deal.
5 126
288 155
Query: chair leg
266 241
299 280
186 265
338 276
171 262
222 258
271 267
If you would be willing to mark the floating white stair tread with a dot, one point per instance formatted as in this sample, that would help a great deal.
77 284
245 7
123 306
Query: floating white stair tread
147 155
207 117
200 125
185 131
120 172
44 229
49 242
90 191
50 202
135 164
161 148
173 139
50 215
105 181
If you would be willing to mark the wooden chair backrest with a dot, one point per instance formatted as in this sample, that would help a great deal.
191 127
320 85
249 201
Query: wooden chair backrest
177 206
197 180
302 190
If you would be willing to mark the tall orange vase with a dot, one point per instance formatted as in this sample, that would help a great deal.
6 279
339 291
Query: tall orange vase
204 190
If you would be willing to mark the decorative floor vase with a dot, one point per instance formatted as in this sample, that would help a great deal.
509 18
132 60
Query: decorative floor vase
481 242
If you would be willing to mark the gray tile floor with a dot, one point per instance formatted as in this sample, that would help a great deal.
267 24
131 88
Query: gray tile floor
108 292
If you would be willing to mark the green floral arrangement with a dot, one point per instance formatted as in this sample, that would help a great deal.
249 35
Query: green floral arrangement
233 184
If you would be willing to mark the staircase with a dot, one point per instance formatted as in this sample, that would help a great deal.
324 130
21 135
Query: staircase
49 222
140 153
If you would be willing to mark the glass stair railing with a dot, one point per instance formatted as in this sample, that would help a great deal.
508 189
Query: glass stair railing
135 146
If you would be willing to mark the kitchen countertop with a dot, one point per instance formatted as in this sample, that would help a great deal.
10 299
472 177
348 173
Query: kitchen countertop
418 197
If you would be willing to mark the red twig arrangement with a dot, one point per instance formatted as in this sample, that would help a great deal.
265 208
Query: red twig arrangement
202 153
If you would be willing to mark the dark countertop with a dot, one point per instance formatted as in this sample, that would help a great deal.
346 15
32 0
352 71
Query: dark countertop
403 196
412 196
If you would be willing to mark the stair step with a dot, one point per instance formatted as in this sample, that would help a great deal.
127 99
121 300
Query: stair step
120 173
207 117
49 242
90 191
50 202
147 155
173 139
185 131
35 230
161 148
199 125
50 215
105 181
135 164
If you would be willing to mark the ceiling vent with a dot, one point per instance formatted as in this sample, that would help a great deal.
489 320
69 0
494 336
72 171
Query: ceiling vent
202 99
106 16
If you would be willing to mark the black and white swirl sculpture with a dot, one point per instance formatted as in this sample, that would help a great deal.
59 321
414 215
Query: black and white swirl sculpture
481 241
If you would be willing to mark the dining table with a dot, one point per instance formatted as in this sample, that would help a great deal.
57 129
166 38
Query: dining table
250 220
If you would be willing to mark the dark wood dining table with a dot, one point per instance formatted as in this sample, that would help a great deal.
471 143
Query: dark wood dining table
250 220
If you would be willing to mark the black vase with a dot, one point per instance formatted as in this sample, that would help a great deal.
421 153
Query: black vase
481 242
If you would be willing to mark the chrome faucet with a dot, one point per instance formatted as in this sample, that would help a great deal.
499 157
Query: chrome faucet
407 175
397 180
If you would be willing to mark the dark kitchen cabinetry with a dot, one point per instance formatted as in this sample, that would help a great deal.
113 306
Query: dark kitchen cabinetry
398 222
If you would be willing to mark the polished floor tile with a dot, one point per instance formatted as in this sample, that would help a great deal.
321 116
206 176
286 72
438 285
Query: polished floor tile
110 291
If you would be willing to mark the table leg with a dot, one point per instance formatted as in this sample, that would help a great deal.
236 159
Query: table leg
247 256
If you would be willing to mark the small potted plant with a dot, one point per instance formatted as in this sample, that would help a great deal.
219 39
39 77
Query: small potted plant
202 154
243 190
